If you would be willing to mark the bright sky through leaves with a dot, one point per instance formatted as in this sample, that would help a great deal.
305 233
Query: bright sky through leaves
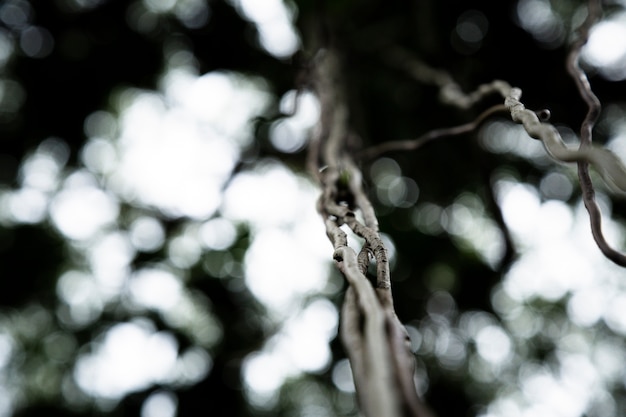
606 49
171 153
174 152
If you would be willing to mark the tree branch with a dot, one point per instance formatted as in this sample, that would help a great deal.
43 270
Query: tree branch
413 144
375 340
593 103
606 163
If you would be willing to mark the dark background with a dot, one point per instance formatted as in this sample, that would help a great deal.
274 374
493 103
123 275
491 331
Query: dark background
96 53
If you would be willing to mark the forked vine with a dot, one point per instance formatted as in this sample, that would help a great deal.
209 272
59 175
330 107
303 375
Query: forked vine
375 340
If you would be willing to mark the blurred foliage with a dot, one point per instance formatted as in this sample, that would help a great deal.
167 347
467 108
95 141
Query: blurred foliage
441 283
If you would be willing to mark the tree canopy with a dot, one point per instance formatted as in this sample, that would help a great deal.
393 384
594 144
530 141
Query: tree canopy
162 251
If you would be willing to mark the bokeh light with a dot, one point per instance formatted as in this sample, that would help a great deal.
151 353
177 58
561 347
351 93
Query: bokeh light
538 18
160 404
161 177
471 29
606 49
273 20
131 356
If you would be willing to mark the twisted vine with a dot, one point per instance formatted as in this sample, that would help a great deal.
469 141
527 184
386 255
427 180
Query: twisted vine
375 340
376 343
606 163
586 128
